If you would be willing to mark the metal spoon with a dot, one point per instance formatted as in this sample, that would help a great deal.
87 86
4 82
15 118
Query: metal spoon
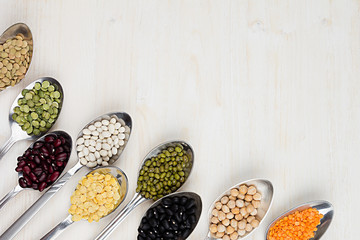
324 207
18 29
138 199
264 187
189 195
123 181
18 189
16 132
20 222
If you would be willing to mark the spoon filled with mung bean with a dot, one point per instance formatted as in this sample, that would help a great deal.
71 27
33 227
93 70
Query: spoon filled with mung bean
163 171
34 111
99 143
16 49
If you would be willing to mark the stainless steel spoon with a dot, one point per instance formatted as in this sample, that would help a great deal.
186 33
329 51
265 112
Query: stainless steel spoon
264 187
324 207
16 132
189 195
18 29
138 199
18 189
123 181
25 218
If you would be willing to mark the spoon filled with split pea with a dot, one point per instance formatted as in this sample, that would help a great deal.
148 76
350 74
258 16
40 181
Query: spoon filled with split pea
163 171
99 143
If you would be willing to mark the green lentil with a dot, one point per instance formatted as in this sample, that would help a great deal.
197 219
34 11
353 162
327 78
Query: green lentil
38 108
165 173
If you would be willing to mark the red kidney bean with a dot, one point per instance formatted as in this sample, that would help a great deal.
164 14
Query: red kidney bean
33 177
67 148
38 145
59 150
50 169
63 141
27 153
22 182
18 169
26 169
42 186
42 178
38 171
37 160
61 156
28 180
45 152
32 165
34 186
50 138
21 163
57 143
59 163
54 176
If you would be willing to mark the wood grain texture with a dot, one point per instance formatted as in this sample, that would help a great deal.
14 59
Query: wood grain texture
259 88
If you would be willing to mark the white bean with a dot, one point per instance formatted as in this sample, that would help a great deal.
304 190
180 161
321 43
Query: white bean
104 163
111 128
105 134
91 127
113 120
98 146
122 129
86 131
105 122
117 125
106 146
97 124
85 151
92 157
79 141
91 164
110 153
116 132
94 138
80 148
80 154
114 151
86 136
95 133
92 149
83 161
99 129
121 142
92 142
103 153
97 154
99 161
87 142
104 128
106 158
121 136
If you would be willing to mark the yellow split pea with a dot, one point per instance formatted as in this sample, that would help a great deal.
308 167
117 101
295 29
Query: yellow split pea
96 195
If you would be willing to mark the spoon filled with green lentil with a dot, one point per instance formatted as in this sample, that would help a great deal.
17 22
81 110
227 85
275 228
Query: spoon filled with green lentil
163 171
34 111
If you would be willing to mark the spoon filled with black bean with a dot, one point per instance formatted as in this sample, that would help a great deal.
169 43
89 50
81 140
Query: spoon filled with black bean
172 217
163 171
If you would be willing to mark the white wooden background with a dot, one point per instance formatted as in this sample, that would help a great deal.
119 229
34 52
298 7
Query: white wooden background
259 88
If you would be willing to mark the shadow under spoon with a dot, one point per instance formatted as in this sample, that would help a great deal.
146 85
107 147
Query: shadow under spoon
25 218
123 182
138 198
17 133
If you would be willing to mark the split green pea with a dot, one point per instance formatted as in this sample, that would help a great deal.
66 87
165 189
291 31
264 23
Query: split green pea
165 173
38 108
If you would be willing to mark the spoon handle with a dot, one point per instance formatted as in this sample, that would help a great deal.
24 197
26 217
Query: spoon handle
10 195
135 201
58 229
25 218
6 146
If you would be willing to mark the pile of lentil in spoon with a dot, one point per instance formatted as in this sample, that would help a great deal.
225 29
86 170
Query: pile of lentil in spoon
165 173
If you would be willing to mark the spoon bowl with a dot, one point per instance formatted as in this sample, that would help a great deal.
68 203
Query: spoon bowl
16 132
138 198
325 208
265 188
123 182
18 29
18 188
190 195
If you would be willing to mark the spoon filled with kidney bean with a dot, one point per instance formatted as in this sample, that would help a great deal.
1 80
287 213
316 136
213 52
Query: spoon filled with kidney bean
172 217
42 163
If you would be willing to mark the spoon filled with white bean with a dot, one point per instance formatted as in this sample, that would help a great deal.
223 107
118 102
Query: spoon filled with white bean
93 149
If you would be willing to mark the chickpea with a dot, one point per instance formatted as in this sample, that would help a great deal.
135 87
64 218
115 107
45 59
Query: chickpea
255 203
226 237
240 203
248 198
241 232
230 215
248 227
215 220
235 210
253 213
234 192
247 215
213 228
225 222
234 236
231 204
225 209
238 217
250 219
230 230
219 234
243 211
243 189
255 223
221 228
242 224
218 205
232 198
221 216
257 196
234 223
251 190
247 204
241 196
215 212
250 208
224 200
